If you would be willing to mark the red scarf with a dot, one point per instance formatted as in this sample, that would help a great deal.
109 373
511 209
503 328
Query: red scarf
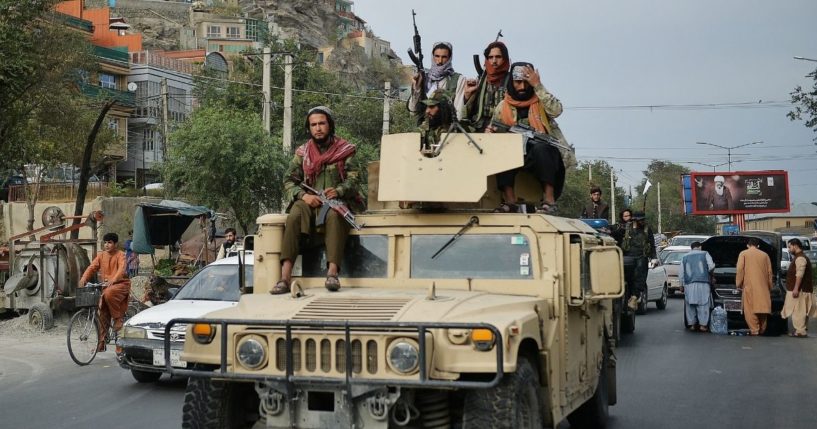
497 74
314 161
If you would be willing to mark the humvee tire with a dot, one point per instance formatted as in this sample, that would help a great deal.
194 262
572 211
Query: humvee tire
145 376
514 403
594 412
215 404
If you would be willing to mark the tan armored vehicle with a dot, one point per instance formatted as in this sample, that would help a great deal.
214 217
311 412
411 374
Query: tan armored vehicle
456 317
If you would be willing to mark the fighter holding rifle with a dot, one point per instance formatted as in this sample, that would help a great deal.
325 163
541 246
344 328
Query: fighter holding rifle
322 162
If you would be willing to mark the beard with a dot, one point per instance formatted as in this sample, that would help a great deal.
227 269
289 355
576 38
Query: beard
322 141
435 121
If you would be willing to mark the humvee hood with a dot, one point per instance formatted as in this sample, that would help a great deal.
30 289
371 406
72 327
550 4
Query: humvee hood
382 305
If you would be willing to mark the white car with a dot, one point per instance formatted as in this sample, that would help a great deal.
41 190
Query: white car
141 346
785 261
671 260
687 240
657 287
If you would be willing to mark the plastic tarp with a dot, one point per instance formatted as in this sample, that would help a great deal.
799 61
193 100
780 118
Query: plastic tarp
163 224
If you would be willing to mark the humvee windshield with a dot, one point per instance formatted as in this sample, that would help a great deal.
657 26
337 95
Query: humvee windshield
476 256
366 256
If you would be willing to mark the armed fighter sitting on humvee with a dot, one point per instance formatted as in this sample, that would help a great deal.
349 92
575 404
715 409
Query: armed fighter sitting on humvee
458 317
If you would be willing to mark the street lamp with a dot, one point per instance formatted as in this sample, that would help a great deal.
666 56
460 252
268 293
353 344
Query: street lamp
805 59
729 149
710 165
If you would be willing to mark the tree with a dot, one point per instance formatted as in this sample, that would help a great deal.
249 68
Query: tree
673 218
222 158
576 193
805 104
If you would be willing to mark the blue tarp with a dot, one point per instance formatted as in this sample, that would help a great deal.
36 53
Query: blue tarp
163 224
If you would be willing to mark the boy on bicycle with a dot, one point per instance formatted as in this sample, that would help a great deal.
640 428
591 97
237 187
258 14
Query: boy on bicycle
114 301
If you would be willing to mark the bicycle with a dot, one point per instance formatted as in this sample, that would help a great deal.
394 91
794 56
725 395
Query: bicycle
83 329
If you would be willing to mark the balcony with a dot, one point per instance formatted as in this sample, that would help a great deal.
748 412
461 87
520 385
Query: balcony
114 56
123 98
74 22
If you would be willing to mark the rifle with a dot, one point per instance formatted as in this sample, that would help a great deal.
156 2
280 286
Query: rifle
530 135
478 63
330 203
418 50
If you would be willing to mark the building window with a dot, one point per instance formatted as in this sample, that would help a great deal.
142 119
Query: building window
320 57
107 81
213 31
147 140
233 33
808 224
788 224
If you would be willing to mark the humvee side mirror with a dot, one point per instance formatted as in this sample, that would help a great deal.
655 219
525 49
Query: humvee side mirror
606 273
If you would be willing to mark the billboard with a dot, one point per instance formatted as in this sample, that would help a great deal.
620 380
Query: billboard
740 192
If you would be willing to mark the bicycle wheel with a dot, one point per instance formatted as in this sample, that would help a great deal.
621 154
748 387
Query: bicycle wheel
83 336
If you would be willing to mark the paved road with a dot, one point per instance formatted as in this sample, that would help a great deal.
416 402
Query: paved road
667 378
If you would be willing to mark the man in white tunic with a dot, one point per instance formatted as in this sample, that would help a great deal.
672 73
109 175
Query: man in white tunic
694 275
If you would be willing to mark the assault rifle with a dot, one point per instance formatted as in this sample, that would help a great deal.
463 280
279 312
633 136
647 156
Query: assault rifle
417 58
333 204
530 136
478 62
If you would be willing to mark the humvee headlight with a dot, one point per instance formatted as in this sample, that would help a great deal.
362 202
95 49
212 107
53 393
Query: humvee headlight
204 333
251 351
404 356
134 332
483 339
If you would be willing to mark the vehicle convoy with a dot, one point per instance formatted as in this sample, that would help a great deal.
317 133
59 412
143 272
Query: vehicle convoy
451 317
140 349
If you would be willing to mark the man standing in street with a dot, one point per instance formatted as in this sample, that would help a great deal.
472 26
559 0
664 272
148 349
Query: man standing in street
324 163
639 244
694 275
482 97
441 76
596 208
799 299
754 277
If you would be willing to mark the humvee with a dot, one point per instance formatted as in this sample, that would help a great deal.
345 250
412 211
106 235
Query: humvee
449 315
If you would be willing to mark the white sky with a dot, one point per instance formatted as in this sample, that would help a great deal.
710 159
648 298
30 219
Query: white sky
645 52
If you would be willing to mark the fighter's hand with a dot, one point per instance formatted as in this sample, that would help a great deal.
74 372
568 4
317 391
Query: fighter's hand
330 193
531 75
470 88
795 293
416 81
312 200
490 129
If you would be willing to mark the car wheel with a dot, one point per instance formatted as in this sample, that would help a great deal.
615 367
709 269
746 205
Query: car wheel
218 404
514 403
627 321
661 304
594 412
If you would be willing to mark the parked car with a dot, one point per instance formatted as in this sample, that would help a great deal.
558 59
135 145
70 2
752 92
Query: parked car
13 180
785 260
671 259
215 287
657 287
725 250
809 250
687 240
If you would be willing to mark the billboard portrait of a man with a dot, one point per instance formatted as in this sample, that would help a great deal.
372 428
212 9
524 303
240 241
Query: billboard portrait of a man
719 197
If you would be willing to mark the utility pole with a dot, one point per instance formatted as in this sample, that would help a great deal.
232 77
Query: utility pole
612 197
164 118
266 76
287 102
659 207
590 173
386 101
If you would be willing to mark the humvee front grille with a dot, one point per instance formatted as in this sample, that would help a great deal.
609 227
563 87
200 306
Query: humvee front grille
327 359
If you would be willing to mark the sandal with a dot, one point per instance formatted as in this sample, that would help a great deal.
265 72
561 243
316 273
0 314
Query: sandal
703 329
332 283
549 209
796 335
507 208
281 287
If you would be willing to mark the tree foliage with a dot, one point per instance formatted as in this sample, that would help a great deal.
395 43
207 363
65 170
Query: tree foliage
222 158
578 182
805 104
673 219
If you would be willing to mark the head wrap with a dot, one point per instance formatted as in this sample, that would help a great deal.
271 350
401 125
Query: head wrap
516 71
329 118
496 74
521 101
440 72
719 179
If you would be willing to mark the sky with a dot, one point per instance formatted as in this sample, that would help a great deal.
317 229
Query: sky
645 79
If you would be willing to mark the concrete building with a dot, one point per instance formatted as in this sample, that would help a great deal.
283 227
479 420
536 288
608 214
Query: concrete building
228 35
799 221
150 71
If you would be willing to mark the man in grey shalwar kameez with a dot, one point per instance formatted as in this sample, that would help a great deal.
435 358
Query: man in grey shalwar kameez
694 275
